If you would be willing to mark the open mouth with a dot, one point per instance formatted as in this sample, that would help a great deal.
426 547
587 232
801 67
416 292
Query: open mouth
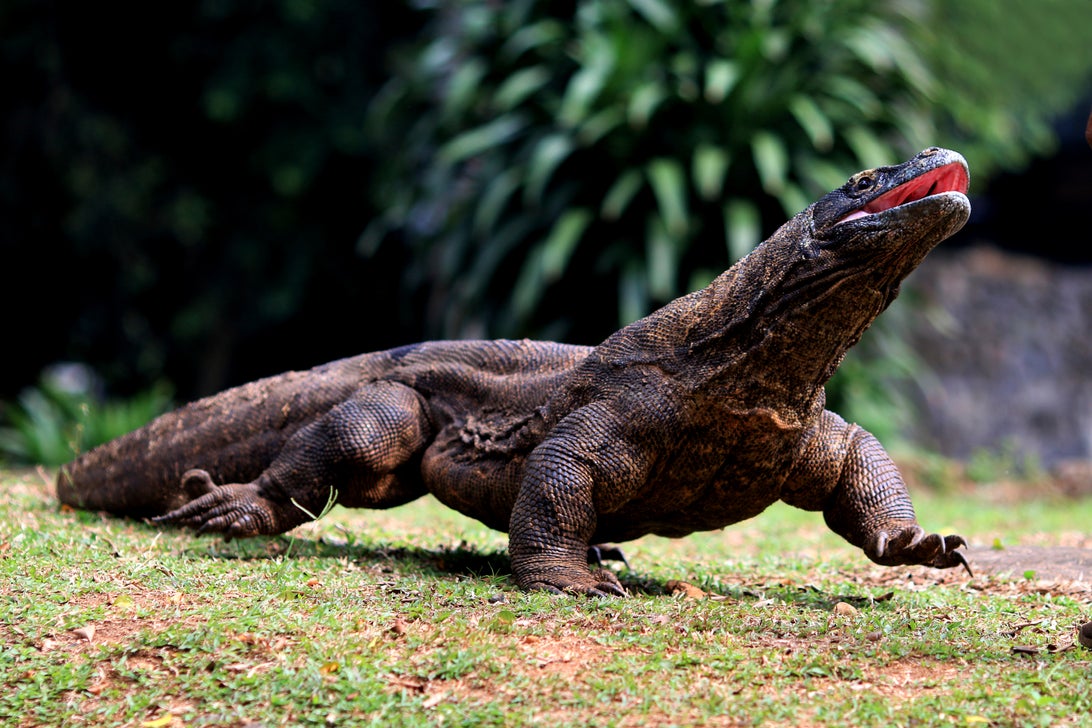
949 178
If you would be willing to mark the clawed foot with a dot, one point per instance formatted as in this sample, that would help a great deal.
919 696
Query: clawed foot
911 545
598 583
236 510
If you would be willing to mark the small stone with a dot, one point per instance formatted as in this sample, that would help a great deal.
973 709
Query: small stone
844 609
688 590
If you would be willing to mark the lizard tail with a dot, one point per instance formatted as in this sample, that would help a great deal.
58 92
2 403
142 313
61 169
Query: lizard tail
233 436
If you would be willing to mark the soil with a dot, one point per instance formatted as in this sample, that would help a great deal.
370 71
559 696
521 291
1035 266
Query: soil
1042 563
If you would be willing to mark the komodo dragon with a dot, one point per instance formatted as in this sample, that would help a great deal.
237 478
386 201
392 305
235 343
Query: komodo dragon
695 417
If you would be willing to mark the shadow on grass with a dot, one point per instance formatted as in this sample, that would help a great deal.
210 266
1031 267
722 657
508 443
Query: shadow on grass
462 559
468 560
804 597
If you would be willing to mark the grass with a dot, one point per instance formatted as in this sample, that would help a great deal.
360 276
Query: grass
409 617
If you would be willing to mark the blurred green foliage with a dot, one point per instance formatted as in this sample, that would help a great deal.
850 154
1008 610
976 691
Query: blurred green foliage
67 413
640 146
1003 71
186 183
211 192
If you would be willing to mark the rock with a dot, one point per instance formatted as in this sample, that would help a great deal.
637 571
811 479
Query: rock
1007 344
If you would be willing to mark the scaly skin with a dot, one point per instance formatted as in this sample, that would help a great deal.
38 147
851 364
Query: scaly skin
696 417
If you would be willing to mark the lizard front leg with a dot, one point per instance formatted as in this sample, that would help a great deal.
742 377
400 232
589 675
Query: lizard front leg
354 449
845 472
551 528
583 465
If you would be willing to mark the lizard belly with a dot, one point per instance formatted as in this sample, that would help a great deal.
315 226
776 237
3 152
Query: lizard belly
705 489
480 484
719 505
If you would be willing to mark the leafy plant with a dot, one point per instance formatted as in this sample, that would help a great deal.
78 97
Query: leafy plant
548 153
640 146
65 415
564 169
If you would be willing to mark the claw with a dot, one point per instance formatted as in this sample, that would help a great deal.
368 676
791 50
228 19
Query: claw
598 553
911 545
232 510
616 591
607 590
603 589
608 584
880 546
172 517
958 556
950 557
183 515
601 583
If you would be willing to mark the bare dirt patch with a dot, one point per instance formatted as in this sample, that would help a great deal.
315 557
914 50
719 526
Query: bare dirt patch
1040 563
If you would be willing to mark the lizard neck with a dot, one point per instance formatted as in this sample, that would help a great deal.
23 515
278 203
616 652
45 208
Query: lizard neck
771 330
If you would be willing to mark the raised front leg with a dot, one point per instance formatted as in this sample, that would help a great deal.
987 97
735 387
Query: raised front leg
845 472
354 449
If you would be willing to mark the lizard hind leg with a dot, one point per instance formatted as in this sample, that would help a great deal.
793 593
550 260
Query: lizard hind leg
236 510
382 433
356 450
203 504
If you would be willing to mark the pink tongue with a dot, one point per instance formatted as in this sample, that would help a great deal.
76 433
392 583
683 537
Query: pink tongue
854 215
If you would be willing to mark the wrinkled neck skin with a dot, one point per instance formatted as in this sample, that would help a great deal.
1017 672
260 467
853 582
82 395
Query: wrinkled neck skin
771 330
787 314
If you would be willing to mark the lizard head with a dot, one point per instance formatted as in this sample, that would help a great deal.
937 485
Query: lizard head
902 210
821 280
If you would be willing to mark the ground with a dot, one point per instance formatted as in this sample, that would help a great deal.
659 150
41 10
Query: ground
774 620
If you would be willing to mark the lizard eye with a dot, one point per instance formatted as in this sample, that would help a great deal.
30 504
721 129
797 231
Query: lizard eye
863 183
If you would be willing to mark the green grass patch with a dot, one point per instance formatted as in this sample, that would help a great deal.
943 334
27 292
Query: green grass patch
410 617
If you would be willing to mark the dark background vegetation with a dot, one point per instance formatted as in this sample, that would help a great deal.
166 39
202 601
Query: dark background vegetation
183 186
204 193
